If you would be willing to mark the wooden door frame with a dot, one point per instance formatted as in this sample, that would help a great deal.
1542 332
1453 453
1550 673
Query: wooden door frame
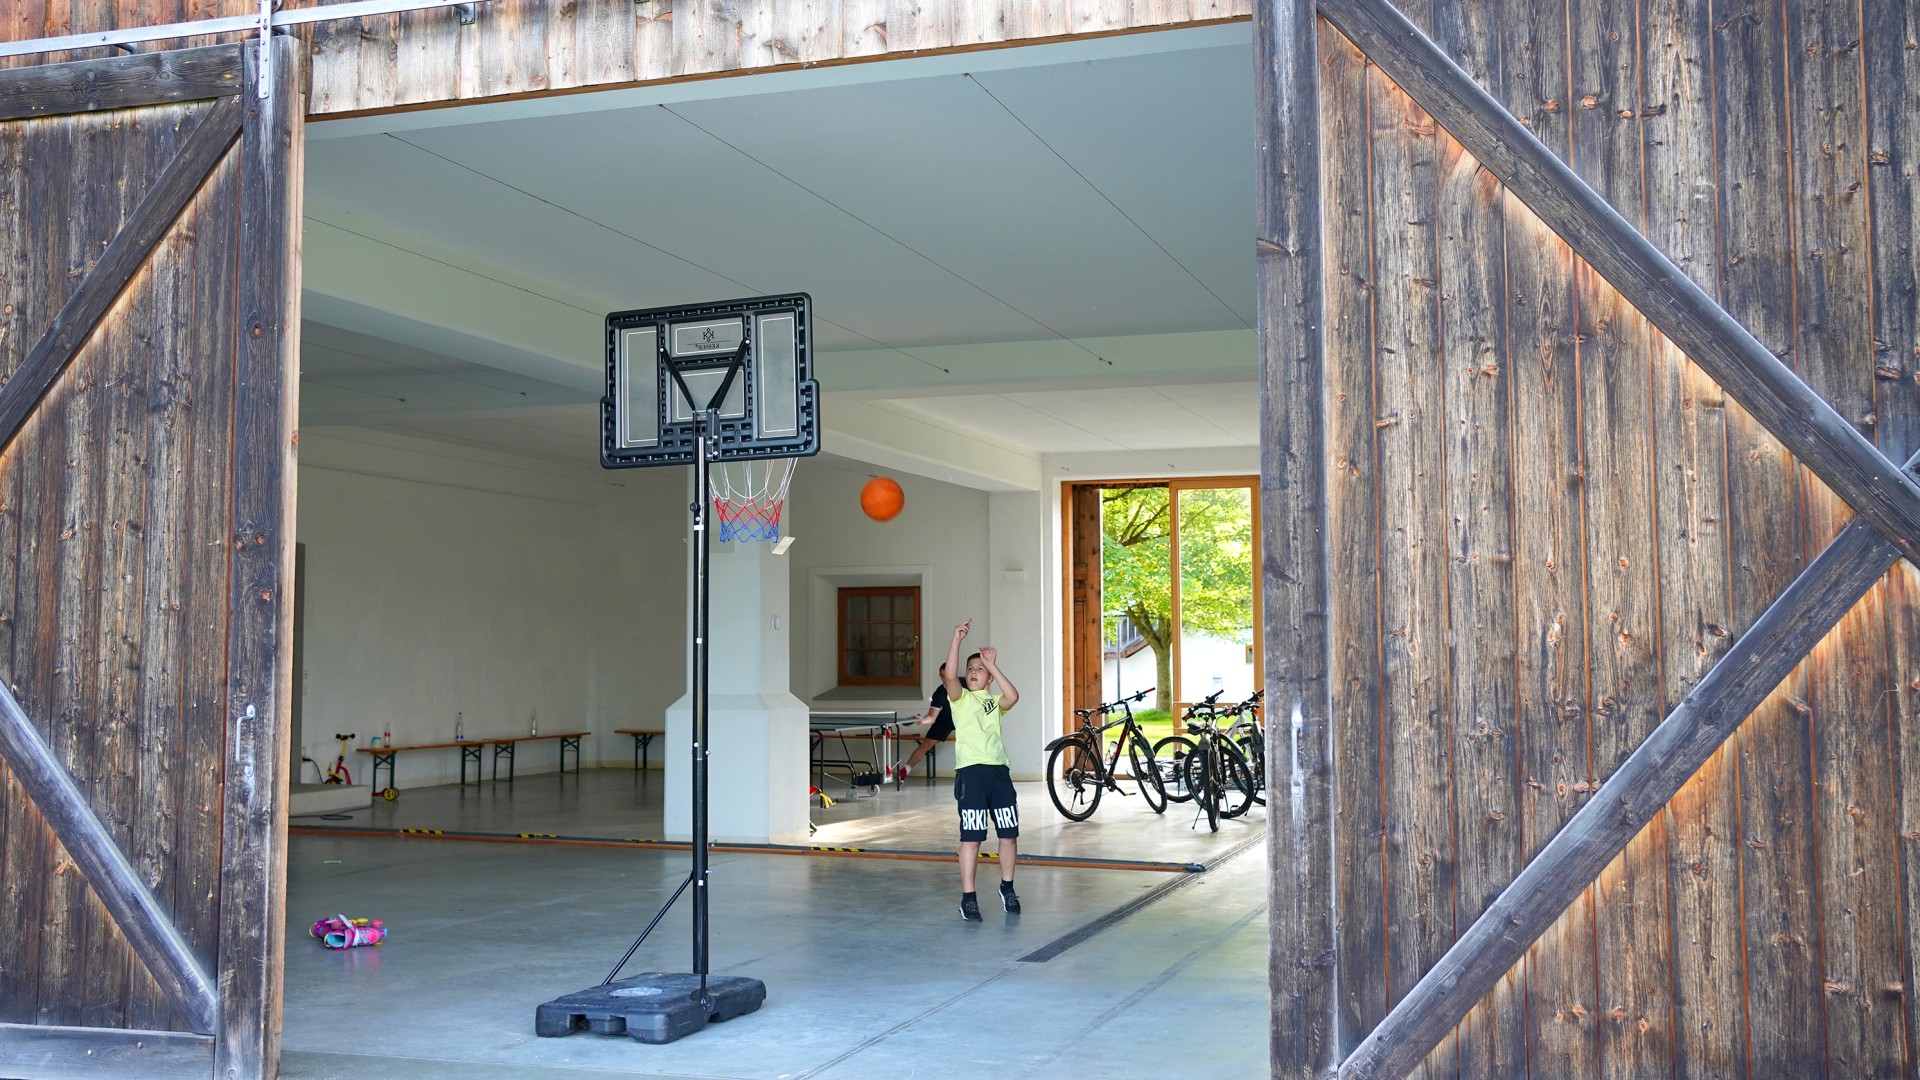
234 1011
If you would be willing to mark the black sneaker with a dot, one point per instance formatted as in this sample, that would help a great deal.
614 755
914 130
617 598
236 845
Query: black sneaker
969 907
1010 898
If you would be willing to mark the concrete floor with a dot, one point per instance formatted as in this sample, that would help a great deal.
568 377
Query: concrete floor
870 971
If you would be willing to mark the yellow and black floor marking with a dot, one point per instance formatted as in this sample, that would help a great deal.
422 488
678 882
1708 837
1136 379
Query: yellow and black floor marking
1064 861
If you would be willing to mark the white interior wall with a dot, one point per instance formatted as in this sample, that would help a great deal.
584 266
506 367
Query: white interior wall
1025 621
939 541
443 582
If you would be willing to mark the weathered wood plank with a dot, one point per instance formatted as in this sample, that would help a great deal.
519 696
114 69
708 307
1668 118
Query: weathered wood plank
1353 537
1039 19
653 36
1090 15
1635 1012
1550 728
602 44
1890 47
45 202
376 50
1290 269
1804 423
161 630
1702 821
706 36
818 29
1479 505
107 277
863 28
1784 1006
259 659
920 25
85 1053
209 543
16 821
112 469
1853 809
1417 841
1623 805
75 586
118 83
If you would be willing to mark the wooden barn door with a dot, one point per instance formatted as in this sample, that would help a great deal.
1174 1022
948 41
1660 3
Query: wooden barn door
149 312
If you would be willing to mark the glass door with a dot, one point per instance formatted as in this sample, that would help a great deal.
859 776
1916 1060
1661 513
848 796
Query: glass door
1178 604
1216 608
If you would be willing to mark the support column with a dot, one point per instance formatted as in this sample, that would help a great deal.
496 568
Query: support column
1302 974
757 764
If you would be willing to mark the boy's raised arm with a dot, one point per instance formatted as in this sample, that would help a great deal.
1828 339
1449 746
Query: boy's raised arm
1009 695
947 679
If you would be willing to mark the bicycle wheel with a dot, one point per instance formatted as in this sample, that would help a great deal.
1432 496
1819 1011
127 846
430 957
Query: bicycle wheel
1146 775
1254 747
1073 779
1169 763
1204 778
1236 781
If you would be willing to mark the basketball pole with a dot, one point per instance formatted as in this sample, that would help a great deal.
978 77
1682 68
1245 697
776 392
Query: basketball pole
659 1007
702 511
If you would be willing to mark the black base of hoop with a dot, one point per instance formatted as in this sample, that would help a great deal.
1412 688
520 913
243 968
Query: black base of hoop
657 1007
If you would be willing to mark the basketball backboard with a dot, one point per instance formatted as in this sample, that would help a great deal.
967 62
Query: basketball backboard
770 408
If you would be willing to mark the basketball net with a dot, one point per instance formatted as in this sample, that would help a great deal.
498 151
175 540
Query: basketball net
747 497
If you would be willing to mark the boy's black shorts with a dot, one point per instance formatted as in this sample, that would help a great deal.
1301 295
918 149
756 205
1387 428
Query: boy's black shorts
985 793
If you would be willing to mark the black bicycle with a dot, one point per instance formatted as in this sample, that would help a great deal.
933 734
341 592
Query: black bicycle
1080 770
1249 732
1206 765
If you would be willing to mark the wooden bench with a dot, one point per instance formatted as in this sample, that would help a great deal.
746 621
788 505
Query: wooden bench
503 747
642 739
471 750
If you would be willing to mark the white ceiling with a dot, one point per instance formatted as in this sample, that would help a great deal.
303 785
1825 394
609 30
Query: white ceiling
1050 248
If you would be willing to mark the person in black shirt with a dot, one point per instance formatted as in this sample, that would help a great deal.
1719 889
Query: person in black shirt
941 713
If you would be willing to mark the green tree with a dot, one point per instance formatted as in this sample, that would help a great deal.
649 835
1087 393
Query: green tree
1216 555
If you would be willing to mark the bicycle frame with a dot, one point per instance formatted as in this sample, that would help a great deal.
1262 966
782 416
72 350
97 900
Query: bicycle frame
1080 766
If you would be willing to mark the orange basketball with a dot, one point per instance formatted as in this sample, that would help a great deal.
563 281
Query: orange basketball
882 499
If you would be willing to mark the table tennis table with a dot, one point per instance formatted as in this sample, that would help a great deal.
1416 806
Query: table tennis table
882 726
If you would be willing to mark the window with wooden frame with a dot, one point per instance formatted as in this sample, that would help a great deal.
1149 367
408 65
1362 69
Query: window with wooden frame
880 636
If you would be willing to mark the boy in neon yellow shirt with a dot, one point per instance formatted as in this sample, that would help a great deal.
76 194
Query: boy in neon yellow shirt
982 776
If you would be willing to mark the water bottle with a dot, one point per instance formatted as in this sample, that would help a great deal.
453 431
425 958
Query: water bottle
386 734
459 727
533 723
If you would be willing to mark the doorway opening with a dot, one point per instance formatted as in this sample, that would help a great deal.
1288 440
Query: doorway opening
1163 591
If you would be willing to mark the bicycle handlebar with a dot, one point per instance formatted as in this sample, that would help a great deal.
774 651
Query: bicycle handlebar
1110 706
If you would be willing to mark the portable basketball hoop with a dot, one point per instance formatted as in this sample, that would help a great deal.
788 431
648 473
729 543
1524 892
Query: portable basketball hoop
727 388
747 498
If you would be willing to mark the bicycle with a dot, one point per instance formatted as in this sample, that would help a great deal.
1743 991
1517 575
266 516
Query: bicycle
1170 756
1250 734
1208 767
339 774
1079 770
